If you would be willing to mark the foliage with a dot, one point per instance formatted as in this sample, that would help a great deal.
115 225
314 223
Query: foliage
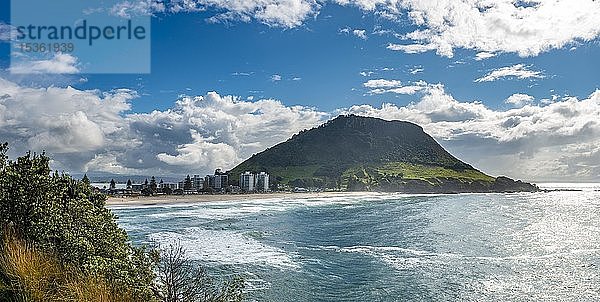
67 218
181 280
28 274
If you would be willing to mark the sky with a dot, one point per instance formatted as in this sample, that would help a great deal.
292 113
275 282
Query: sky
511 87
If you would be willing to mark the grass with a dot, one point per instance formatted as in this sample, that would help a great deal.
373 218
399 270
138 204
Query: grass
373 175
28 274
423 172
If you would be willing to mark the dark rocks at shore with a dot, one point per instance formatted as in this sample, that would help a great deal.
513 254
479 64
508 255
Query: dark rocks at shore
452 186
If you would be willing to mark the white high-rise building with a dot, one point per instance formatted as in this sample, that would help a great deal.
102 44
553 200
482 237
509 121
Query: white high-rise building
247 181
262 182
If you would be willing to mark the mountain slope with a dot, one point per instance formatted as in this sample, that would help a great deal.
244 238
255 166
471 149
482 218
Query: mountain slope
363 153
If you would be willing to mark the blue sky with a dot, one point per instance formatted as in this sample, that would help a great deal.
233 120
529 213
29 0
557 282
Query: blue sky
496 61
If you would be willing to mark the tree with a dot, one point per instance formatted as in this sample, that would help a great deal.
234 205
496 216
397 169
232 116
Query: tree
182 280
85 179
153 186
67 218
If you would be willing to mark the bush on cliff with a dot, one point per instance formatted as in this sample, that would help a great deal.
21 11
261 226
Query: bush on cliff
66 218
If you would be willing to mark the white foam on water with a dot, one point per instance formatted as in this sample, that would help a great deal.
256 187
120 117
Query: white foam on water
242 208
225 247
254 283
404 258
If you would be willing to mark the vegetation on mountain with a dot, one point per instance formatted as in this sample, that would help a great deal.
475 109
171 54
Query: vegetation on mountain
363 153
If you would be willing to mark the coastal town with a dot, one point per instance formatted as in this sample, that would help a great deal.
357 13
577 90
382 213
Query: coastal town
217 183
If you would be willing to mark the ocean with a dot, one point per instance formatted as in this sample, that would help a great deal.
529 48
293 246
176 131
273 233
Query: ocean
392 247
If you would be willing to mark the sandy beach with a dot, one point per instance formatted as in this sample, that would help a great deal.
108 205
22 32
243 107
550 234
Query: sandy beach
182 199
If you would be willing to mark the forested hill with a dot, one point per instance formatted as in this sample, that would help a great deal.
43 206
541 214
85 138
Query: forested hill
362 153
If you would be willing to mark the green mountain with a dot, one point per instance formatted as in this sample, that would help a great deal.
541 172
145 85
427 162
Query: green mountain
357 153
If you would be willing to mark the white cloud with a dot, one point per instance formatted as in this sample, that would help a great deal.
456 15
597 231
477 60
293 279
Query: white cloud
129 9
416 70
275 78
382 86
411 48
283 13
201 151
280 13
491 26
208 132
519 99
70 124
518 71
361 33
483 55
382 83
93 131
482 25
59 63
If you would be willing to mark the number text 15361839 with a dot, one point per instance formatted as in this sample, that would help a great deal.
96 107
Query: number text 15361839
46 47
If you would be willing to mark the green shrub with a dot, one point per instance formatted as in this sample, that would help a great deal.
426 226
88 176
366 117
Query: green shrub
67 218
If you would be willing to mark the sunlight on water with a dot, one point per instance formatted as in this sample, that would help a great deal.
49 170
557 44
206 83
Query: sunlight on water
393 247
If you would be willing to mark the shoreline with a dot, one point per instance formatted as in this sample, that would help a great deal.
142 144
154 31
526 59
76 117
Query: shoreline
190 199
200 198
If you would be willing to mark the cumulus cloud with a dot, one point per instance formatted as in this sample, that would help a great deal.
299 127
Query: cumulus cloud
66 122
411 48
527 28
519 99
381 86
518 71
59 63
483 55
281 13
129 9
361 33
94 131
382 83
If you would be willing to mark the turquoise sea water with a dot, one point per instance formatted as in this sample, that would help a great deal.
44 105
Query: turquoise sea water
392 247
